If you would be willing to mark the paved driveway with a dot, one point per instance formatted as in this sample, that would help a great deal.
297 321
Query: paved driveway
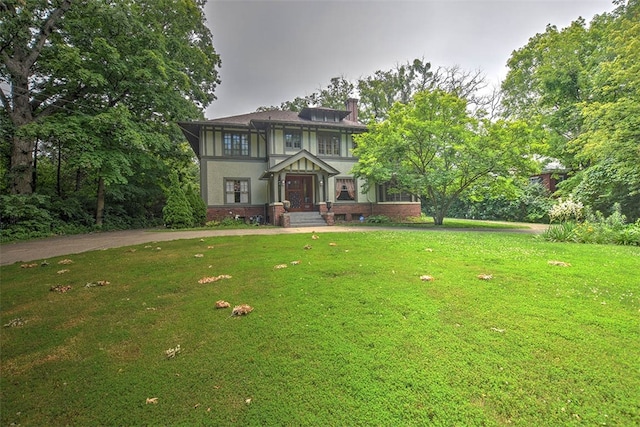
41 249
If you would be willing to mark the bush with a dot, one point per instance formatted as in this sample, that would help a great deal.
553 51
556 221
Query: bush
566 210
24 216
177 213
378 219
198 207
597 229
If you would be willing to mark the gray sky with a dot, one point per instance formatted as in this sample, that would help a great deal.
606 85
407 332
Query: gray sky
273 51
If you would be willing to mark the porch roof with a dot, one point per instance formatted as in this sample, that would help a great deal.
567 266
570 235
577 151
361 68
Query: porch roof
293 163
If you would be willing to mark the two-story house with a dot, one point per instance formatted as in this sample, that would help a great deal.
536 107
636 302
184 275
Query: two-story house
258 164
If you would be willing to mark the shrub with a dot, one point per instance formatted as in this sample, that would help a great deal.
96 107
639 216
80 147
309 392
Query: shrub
24 216
566 210
198 207
177 213
597 229
564 232
378 219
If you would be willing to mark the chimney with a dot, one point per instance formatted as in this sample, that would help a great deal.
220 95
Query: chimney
352 107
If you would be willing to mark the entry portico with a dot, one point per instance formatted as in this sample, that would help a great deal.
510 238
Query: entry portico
300 179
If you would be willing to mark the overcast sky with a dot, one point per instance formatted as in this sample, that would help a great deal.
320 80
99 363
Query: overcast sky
273 51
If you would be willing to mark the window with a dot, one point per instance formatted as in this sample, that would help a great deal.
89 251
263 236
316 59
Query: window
328 144
236 144
293 139
388 192
345 189
237 191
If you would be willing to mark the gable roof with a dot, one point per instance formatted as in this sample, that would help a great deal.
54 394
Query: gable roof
302 157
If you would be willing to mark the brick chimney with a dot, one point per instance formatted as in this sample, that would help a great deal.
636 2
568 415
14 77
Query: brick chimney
352 107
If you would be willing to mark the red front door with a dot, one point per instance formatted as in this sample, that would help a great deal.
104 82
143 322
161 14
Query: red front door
299 191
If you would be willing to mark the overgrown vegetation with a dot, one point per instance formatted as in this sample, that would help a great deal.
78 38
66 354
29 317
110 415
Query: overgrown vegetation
347 335
580 225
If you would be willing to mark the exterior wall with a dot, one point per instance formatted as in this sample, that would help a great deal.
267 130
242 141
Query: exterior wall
211 144
353 211
243 212
215 172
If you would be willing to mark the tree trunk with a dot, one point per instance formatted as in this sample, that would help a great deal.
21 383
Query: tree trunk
100 205
438 218
21 169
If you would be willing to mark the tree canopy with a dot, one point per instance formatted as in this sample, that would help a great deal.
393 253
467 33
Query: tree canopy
581 85
97 87
432 147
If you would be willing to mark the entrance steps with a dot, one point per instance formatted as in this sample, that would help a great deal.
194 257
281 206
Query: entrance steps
306 219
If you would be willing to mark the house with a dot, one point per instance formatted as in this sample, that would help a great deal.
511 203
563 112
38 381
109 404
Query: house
553 172
255 165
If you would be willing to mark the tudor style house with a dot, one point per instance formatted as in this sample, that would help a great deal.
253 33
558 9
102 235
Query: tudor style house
256 165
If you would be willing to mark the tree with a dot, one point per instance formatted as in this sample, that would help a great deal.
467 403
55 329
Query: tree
433 148
87 59
177 213
581 84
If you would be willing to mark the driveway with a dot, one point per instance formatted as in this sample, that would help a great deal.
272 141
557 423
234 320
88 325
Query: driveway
41 249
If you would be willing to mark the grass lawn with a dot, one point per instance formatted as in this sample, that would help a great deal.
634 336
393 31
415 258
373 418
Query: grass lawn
350 335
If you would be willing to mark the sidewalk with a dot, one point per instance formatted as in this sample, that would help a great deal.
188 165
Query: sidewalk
41 249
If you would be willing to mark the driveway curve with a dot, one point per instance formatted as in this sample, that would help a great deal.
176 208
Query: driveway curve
41 249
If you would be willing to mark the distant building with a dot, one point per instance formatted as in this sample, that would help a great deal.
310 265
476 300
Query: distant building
256 164
553 172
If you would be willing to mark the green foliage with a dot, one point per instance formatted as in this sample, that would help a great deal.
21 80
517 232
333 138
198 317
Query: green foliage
24 216
527 202
378 219
101 94
597 228
537 345
433 148
198 208
581 85
177 213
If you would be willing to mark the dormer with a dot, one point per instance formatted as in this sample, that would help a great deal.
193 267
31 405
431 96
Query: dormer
319 114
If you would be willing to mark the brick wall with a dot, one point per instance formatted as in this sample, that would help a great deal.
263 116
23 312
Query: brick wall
348 211
396 211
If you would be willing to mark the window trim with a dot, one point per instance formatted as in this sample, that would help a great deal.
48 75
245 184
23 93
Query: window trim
329 137
292 132
240 151
226 193
345 187
401 197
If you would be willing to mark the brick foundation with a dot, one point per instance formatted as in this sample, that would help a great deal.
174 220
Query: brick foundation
339 212
395 211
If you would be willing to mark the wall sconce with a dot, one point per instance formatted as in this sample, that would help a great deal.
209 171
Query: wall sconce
321 182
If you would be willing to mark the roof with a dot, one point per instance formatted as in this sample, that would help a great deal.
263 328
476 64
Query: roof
261 119
300 155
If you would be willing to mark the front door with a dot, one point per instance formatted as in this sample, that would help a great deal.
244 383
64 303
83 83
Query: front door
299 191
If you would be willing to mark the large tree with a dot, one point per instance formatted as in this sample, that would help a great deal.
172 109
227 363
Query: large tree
123 71
434 148
581 85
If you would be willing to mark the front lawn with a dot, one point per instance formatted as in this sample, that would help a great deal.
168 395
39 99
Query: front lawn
344 331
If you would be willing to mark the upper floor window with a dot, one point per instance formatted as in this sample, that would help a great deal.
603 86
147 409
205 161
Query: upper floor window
293 139
328 144
236 144
236 191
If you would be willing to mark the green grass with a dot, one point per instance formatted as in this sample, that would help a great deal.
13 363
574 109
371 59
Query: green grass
449 223
350 336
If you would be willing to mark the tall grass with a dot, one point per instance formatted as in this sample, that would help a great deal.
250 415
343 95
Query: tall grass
349 336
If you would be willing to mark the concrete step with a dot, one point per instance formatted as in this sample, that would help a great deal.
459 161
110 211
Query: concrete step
306 219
